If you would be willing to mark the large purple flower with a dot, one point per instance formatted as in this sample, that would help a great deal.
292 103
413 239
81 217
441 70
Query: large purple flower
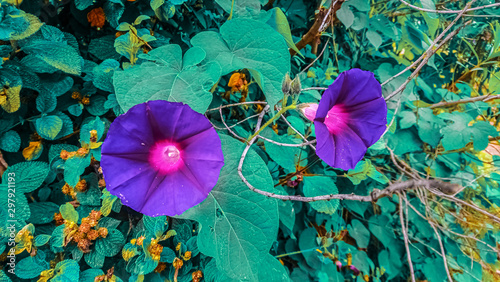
351 116
161 158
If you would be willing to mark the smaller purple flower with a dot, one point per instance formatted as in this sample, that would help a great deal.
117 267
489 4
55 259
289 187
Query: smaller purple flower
161 158
351 116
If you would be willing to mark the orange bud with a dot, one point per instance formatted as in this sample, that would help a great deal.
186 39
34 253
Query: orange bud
96 18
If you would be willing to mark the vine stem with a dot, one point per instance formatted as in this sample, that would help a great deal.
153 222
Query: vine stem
286 144
449 11
280 112
405 235
484 98
238 104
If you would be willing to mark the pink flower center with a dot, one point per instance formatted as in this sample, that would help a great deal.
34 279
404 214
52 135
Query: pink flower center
171 154
165 157
336 119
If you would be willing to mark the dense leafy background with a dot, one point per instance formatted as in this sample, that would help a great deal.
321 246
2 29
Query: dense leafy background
70 67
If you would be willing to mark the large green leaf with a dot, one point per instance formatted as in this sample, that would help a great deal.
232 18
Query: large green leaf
279 22
27 176
49 126
457 134
42 212
238 226
59 55
251 44
164 77
112 244
10 141
66 270
31 267
242 8
318 186
359 232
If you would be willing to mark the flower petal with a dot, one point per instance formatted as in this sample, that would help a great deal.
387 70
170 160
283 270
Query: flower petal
342 150
351 116
134 161
368 120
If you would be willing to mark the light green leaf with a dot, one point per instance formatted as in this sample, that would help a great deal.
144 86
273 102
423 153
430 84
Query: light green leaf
112 244
374 38
429 5
49 126
46 102
318 186
103 74
94 259
359 232
89 275
457 134
41 240
74 167
10 141
279 22
59 55
345 15
242 8
28 176
83 4
253 45
155 225
166 79
31 267
238 226
68 212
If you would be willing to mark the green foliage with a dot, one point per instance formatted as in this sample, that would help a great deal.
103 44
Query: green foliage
63 82
250 44
111 245
317 186
238 248
49 126
10 141
169 77
68 212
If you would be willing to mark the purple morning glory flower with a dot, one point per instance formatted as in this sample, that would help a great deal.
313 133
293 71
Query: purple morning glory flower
351 116
161 158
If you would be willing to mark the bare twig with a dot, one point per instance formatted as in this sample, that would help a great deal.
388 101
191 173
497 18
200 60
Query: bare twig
449 11
238 104
405 235
286 144
445 260
428 53
296 131
239 122
472 206
229 129
261 117
314 88
484 98
374 196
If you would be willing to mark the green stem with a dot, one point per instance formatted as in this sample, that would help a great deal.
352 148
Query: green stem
280 112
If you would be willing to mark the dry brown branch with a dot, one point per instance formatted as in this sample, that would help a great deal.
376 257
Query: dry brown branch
3 165
320 19
449 11
484 98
